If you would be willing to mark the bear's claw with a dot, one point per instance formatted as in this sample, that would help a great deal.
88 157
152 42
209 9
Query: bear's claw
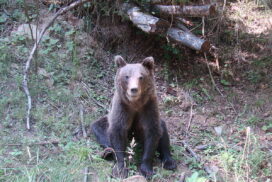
146 170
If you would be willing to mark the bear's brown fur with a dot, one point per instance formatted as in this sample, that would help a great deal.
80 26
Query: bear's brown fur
134 111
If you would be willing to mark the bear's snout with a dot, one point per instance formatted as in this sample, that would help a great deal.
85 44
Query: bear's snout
134 90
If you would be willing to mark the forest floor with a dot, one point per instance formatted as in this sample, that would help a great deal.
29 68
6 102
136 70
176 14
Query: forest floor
72 76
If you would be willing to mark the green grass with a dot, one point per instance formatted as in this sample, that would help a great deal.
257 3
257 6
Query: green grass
65 162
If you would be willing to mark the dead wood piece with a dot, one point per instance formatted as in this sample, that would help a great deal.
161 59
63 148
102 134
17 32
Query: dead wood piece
29 60
151 24
95 101
198 159
182 27
81 112
195 11
144 21
53 142
184 21
188 39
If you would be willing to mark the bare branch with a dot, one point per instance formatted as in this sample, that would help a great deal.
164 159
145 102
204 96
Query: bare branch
54 142
198 159
29 60
86 169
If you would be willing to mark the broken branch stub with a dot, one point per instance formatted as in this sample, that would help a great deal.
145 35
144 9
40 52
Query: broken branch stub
195 11
188 39
144 21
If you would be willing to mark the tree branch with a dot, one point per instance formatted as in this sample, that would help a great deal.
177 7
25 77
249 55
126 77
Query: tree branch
29 60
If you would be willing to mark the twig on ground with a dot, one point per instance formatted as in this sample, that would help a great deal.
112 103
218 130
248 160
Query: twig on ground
28 152
246 153
198 159
190 150
95 101
86 169
182 177
82 122
39 143
190 119
29 60
214 84
210 73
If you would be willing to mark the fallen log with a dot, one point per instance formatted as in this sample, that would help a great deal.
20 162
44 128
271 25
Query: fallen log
195 11
152 24
188 39
146 22
170 2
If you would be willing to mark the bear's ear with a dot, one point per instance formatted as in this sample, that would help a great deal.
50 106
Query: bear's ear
149 63
119 61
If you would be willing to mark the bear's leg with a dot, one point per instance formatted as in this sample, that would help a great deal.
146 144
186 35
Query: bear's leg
118 137
99 129
164 149
150 145
149 119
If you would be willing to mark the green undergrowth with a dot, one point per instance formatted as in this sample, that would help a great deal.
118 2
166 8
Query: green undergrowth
59 81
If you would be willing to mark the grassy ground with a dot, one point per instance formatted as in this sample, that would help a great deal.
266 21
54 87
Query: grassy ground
231 132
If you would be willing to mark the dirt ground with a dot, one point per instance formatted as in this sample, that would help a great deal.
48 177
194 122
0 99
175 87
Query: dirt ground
225 117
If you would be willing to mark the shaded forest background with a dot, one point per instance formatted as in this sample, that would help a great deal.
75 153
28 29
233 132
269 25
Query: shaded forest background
220 105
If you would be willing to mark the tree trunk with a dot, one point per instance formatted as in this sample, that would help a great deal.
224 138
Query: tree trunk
196 11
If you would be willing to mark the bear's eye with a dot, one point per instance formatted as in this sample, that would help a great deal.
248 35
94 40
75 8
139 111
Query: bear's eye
127 77
141 78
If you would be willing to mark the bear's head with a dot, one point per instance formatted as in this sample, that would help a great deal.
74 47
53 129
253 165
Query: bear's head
135 82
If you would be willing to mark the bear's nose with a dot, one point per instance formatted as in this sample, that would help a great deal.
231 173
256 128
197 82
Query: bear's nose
134 90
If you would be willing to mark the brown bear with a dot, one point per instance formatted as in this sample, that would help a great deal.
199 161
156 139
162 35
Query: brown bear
134 112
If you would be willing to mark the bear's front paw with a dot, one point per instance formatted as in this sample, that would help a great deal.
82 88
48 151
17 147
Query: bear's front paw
169 164
119 172
107 153
146 170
